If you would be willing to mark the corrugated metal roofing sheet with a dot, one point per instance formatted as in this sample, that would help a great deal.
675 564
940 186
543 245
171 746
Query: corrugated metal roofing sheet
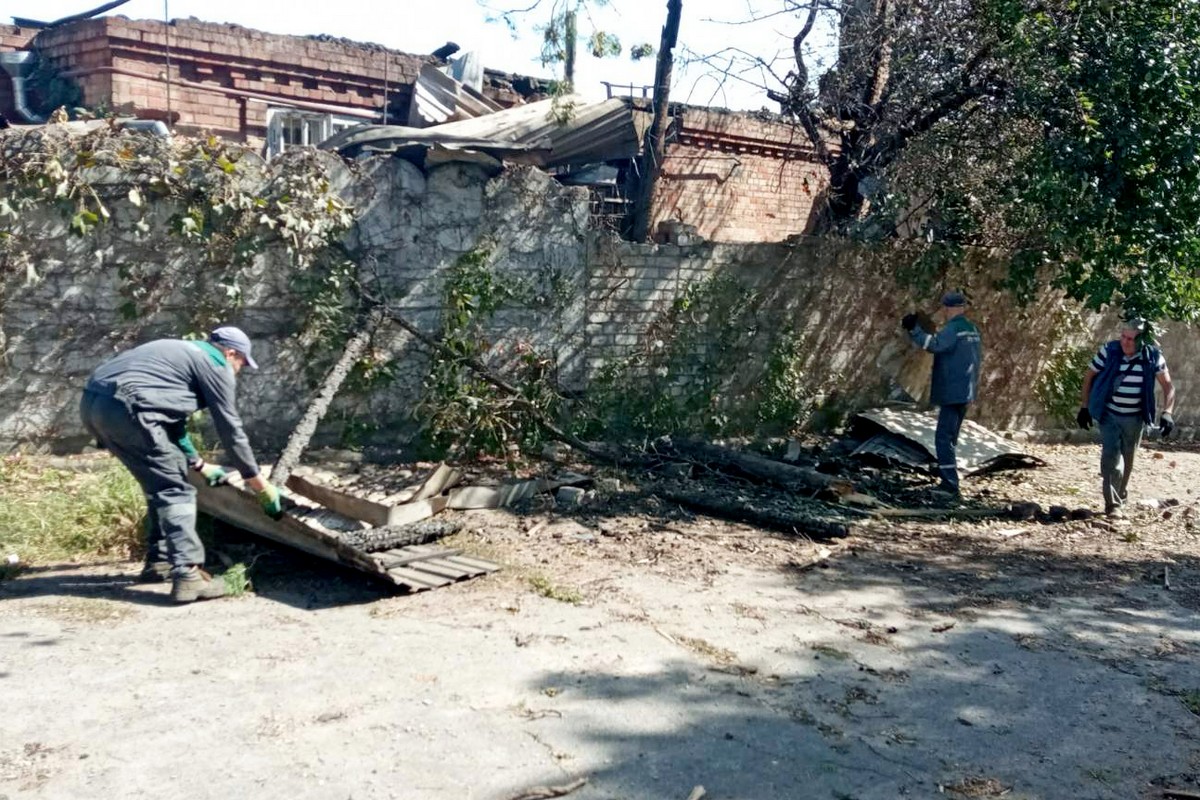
555 133
907 437
439 98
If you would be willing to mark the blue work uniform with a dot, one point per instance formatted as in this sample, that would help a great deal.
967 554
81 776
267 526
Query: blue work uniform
957 354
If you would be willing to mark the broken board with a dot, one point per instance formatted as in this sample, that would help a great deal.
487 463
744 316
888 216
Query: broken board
313 529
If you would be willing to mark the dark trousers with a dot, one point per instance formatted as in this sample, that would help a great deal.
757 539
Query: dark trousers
950 420
1120 436
160 467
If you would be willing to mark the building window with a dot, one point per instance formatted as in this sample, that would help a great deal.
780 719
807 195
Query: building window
287 128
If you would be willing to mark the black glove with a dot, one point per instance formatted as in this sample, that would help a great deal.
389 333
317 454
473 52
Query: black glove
1084 418
1166 423
908 322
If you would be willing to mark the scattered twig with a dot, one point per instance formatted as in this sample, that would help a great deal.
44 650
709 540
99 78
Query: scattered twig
697 793
665 635
1180 794
543 792
1167 577
943 628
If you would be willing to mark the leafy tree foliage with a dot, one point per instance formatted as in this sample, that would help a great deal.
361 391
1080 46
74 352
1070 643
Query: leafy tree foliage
560 32
1112 190
1064 131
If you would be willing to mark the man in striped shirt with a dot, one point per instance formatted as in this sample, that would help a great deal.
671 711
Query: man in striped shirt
1118 392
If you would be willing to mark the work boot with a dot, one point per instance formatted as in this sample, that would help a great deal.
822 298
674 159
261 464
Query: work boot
155 572
944 491
196 584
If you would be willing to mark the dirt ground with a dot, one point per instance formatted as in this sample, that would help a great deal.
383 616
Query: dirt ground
649 651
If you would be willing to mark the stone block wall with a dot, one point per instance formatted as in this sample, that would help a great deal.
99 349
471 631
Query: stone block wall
587 301
61 311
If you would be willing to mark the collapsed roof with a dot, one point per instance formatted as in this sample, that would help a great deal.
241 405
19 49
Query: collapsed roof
549 133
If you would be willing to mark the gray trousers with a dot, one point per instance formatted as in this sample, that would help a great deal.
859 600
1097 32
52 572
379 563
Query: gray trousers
950 420
1120 436
160 467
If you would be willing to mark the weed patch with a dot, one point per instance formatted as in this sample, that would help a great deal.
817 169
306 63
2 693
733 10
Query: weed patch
546 588
49 514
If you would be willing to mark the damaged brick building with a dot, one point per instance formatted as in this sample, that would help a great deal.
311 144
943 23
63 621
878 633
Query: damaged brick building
727 176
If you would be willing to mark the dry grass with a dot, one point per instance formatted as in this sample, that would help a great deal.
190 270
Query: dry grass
49 515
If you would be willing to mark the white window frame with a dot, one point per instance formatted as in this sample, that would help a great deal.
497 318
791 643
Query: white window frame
324 124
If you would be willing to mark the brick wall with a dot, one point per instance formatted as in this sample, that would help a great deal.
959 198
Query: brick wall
224 77
738 178
842 303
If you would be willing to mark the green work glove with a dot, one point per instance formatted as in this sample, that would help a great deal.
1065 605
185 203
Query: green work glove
271 502
213 474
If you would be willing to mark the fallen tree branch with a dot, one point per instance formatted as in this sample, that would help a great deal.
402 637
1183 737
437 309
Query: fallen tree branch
307 426
941 513
604 452
801 480
777 513
542 792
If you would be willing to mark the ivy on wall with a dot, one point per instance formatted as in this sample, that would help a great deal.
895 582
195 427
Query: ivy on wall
225 205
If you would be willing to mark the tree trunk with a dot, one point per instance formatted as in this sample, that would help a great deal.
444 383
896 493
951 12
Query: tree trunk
654 148
570 36
307 426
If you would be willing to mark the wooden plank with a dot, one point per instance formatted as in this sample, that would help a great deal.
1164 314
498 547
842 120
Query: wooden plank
374 514
240 508
416 510
417 579
443 478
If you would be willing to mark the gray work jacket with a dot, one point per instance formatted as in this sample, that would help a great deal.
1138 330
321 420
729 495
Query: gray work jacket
165 381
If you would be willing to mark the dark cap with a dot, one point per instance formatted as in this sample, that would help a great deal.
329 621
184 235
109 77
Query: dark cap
954 300
234 339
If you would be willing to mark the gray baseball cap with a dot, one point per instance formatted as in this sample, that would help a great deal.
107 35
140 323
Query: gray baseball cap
234 339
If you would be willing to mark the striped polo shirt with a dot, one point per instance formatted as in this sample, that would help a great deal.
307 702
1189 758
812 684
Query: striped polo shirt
1127 396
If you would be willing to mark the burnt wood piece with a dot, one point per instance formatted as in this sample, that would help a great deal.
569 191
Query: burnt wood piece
755 508
373 540
801 480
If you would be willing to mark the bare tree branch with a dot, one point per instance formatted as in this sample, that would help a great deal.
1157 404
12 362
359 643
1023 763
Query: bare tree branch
798 48
882 70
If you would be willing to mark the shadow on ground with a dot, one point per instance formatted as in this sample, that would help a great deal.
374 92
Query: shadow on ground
1019 673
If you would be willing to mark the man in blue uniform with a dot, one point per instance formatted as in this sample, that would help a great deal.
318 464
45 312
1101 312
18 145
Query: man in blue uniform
957 353
137 405
1118 392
